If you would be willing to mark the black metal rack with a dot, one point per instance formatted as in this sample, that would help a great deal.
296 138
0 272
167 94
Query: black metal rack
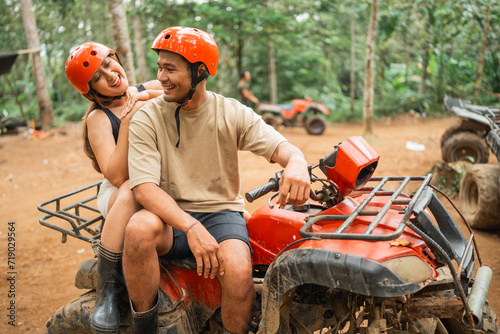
394 199
78 219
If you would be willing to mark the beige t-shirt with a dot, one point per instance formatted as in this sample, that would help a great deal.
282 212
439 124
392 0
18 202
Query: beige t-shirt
202 173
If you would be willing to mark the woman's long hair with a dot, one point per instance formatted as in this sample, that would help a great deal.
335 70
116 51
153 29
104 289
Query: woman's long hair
98 101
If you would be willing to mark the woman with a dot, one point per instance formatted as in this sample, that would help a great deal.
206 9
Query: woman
95 71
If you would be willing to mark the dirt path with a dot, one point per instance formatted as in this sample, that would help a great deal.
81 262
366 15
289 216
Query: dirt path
34 171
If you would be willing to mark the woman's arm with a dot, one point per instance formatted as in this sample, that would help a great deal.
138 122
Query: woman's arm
111 157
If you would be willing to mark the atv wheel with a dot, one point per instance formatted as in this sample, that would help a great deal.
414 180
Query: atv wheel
451 131
479 196
315 125
75 316
272 120
465 146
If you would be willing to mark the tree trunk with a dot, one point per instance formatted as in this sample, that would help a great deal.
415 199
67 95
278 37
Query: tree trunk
44 103
239 54
480 61
272 73
425 57
369 70
353 58
139 51
121 38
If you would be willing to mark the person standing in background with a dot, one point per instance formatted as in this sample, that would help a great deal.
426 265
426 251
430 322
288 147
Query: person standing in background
244 92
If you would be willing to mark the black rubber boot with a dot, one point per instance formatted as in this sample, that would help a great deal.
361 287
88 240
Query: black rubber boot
145 322
110 285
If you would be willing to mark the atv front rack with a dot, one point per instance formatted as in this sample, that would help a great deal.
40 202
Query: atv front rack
422 194
79 219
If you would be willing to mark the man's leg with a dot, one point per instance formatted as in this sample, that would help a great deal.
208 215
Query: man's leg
146 236
238 293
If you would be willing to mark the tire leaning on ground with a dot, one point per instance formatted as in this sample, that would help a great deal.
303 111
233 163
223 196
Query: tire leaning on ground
479 196
465 146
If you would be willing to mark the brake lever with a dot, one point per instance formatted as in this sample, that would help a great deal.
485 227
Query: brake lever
271 205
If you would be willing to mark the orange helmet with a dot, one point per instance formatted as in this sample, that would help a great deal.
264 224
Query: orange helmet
193 44
83 62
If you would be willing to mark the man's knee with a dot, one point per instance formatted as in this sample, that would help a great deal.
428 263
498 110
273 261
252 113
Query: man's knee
143 228
242 274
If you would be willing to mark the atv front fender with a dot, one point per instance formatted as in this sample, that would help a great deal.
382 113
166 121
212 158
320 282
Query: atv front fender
322 267
461 112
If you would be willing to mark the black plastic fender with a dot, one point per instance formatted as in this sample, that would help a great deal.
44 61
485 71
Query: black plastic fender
332 269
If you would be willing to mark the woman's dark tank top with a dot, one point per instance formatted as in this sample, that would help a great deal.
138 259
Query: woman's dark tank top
115 121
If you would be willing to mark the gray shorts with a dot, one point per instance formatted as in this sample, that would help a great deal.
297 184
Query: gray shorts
222 225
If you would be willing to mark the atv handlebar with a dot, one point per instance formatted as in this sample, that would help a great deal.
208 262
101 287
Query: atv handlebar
272 185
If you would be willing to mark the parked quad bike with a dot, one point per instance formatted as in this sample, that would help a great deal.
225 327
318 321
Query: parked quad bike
306 113
479 194
467 140
358 258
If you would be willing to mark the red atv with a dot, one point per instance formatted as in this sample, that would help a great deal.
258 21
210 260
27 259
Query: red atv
370 255
305 113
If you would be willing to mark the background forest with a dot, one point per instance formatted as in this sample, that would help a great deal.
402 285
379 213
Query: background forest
424 49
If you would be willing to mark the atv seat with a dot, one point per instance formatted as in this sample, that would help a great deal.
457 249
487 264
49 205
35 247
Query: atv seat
187 263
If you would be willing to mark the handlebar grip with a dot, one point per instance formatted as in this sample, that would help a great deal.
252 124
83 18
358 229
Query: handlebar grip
272 185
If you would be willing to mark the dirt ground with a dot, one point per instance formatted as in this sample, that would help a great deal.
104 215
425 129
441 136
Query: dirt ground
33 171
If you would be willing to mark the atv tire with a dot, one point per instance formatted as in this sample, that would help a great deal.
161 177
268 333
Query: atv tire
74 317
315 125
465 146
451 131
272 120
479 196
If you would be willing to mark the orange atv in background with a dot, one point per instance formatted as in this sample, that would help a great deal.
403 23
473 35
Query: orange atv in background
306 113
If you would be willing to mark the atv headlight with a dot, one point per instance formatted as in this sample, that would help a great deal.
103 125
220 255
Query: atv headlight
410 269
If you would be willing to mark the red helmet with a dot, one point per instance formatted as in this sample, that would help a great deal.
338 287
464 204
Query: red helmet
193 44
83 62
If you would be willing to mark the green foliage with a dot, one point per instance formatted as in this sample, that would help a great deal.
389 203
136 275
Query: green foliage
311 40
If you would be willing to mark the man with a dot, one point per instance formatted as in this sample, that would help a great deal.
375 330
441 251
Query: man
183 167
244 89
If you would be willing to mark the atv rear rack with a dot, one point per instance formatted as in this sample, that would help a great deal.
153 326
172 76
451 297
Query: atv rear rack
83 219
422 194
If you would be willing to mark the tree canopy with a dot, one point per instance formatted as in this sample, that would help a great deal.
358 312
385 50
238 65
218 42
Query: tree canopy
424 49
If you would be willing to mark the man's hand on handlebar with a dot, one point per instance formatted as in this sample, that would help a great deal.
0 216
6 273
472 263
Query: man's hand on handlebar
295 183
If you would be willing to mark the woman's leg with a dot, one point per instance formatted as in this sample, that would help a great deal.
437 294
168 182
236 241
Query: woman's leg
123 206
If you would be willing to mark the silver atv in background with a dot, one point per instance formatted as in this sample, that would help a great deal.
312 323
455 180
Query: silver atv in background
472 140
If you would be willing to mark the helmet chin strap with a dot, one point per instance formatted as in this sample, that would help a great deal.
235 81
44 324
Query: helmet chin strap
195 80
114 97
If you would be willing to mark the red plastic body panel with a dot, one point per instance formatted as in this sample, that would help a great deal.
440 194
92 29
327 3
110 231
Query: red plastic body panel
353 155
300 106
193 288
271 230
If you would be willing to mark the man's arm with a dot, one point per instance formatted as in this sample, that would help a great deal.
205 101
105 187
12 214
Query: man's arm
295 182
209 259
249 96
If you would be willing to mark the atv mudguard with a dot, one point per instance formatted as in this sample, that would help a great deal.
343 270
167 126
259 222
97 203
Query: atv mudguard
319 266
